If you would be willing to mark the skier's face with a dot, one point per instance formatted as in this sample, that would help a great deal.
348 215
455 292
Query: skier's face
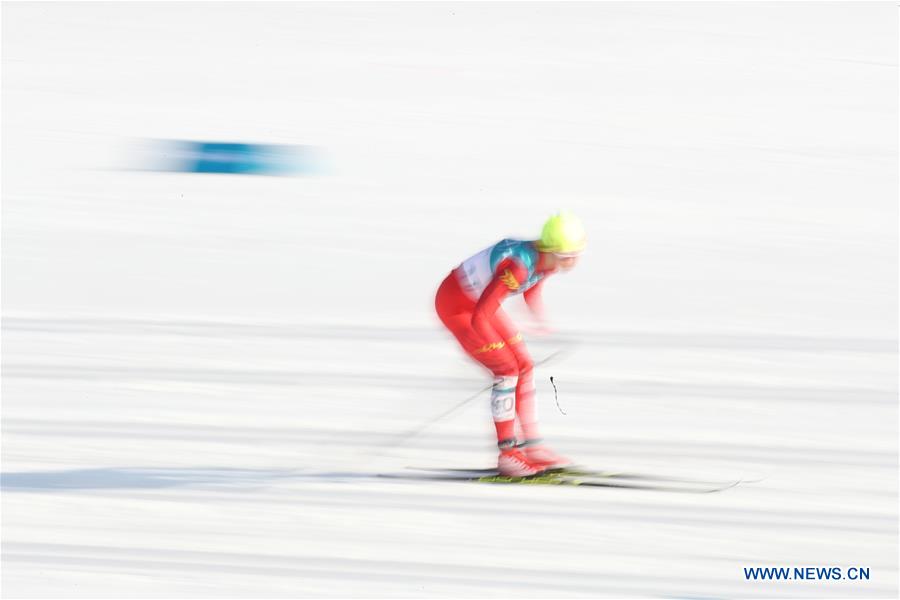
566 262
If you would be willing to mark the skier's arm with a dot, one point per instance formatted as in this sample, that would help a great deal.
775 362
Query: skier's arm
510 274
535 301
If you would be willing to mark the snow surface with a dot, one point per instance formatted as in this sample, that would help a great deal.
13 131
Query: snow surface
203 374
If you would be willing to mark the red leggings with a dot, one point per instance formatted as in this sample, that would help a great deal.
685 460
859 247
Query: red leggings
503 357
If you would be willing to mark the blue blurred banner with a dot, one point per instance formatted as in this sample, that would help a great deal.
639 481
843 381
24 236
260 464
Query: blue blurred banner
188 156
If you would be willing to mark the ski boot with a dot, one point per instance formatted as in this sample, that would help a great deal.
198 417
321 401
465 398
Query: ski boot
513 462
541 456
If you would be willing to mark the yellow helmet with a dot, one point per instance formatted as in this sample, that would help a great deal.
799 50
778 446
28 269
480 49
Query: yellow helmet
563 233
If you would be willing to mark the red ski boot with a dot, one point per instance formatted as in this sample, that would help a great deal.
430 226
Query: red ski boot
512 462
541 456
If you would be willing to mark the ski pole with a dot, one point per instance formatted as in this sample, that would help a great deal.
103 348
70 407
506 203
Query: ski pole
405 437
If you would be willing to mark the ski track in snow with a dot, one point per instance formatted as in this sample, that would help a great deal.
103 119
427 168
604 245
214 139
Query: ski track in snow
203 376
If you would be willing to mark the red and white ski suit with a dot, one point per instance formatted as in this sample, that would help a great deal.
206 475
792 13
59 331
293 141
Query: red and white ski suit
468 303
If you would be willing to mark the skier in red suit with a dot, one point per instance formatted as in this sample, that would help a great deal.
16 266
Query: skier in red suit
468 303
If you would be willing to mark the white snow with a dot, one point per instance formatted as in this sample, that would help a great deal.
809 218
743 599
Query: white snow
203 374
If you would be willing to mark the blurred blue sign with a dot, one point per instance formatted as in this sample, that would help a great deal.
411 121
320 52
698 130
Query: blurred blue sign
226 157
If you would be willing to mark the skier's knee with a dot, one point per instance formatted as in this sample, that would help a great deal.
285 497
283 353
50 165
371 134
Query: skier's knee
525 366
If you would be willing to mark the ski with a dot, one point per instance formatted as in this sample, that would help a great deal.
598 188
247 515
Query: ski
594 479
611 482
581 472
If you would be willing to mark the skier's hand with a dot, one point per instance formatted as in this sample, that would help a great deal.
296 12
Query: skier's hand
539 329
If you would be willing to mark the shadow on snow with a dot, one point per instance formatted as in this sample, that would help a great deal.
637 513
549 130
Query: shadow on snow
150 478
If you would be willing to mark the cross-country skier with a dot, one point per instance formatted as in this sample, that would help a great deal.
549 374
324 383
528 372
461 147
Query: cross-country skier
468 303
